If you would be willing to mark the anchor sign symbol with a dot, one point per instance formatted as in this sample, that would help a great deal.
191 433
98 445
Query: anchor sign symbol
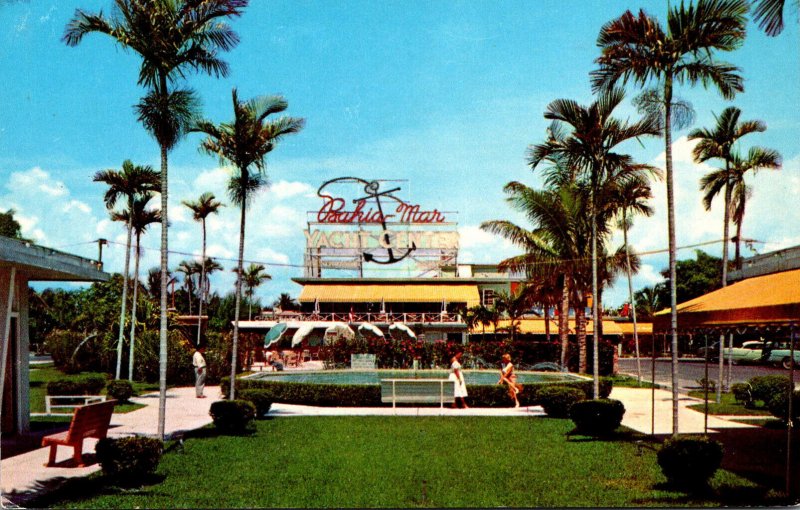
372 189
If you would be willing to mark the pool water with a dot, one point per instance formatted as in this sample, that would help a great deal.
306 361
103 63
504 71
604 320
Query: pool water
472 377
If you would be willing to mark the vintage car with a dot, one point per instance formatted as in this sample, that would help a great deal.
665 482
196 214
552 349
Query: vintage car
749 352
779 354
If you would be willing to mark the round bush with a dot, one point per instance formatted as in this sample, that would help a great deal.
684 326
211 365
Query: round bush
129 460
597 417
232 416
690 462
764 387
261 399
778 405
557 400
742 393
119 390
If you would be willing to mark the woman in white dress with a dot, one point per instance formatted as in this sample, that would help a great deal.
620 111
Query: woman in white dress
457 376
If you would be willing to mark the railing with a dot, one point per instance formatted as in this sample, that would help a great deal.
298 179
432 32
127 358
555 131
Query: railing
50 404
377 318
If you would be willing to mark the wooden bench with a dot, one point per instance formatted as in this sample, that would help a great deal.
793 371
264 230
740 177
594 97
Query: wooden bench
87 421
417 391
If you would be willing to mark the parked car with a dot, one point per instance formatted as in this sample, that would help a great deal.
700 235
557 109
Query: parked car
779 354
749 352
713 351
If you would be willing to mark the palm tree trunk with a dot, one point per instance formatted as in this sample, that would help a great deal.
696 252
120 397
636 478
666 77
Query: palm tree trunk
250 305
124 290
580 331
673 276
726 225
162 330
595 315
546 321
202 285
563 323
133 309
738 255
238 303
630 294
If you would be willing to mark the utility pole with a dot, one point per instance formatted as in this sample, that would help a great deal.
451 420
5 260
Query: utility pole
100 243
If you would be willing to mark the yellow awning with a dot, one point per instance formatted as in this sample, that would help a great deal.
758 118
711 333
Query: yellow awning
642 328
401 293
537 327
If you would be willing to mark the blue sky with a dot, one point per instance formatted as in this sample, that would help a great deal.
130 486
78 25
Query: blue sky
447 95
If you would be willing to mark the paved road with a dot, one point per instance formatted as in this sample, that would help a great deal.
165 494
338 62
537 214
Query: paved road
691 370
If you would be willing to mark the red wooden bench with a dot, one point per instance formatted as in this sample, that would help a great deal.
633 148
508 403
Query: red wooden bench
87 421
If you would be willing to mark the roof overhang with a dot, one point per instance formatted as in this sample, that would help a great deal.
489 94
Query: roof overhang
429 292
38 263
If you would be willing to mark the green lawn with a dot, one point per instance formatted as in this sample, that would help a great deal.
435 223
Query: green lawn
627 381
40 375
728 406
405 462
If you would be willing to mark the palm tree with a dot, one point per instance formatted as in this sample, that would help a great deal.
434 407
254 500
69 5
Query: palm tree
718 143
637 48
286 302
189 268
172 37
139 218
769 15
245 143
514 304
633 197
253 277
130 183
586 138
205 205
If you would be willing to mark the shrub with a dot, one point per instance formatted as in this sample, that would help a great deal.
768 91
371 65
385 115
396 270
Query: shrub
743 394
119 390
764 387
557 400
597 417
261 399
86 384
232 416
708 384
690 462
778 405
129 460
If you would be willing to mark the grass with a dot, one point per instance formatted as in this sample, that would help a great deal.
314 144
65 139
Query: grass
40 375
728 405
405 462
627 381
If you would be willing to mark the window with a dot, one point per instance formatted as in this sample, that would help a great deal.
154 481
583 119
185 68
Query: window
488 297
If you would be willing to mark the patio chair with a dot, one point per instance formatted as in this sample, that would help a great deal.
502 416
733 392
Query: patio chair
306 356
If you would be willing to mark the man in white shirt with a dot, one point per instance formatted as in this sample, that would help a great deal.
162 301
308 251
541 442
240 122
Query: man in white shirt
199 363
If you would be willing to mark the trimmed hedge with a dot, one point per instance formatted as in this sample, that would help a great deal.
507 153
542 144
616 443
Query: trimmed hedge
690 462
597 417
362 395
261 399
119 390
232 416
129 460
87 384
558 400
765 387
778 405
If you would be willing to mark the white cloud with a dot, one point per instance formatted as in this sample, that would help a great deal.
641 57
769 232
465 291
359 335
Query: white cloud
77 204
270 255
285 189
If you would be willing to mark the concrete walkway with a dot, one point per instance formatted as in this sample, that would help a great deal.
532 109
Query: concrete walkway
24 476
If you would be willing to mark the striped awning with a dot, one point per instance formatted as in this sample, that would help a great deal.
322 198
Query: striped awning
401 293
537 327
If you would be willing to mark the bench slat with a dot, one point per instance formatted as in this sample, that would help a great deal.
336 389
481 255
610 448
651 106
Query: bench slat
91 420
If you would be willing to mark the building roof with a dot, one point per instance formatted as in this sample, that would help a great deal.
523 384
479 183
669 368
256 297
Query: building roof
365 291
537 327
38 263
761 300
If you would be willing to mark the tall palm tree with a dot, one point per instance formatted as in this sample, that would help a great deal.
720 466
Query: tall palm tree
189 270
254 276
514 304
204 206
637 48
130 183
769 15
757 159
139 218
587 138
632 198
718 143
244 143
172 37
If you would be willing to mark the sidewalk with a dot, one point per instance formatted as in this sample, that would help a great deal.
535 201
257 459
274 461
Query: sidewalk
24 476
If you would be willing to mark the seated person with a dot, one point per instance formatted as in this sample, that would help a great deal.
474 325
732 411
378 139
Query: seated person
276 364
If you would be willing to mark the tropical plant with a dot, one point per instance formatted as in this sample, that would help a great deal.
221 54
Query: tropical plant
253 277
139 219
189 269
244 143
637 48
131 183
286 302
204 206
769 15
9 227
172 37
514 304
585 139
719 143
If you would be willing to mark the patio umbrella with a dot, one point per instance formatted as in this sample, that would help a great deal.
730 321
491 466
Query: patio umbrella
370 330
302 332
339 330
274 334
399 329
